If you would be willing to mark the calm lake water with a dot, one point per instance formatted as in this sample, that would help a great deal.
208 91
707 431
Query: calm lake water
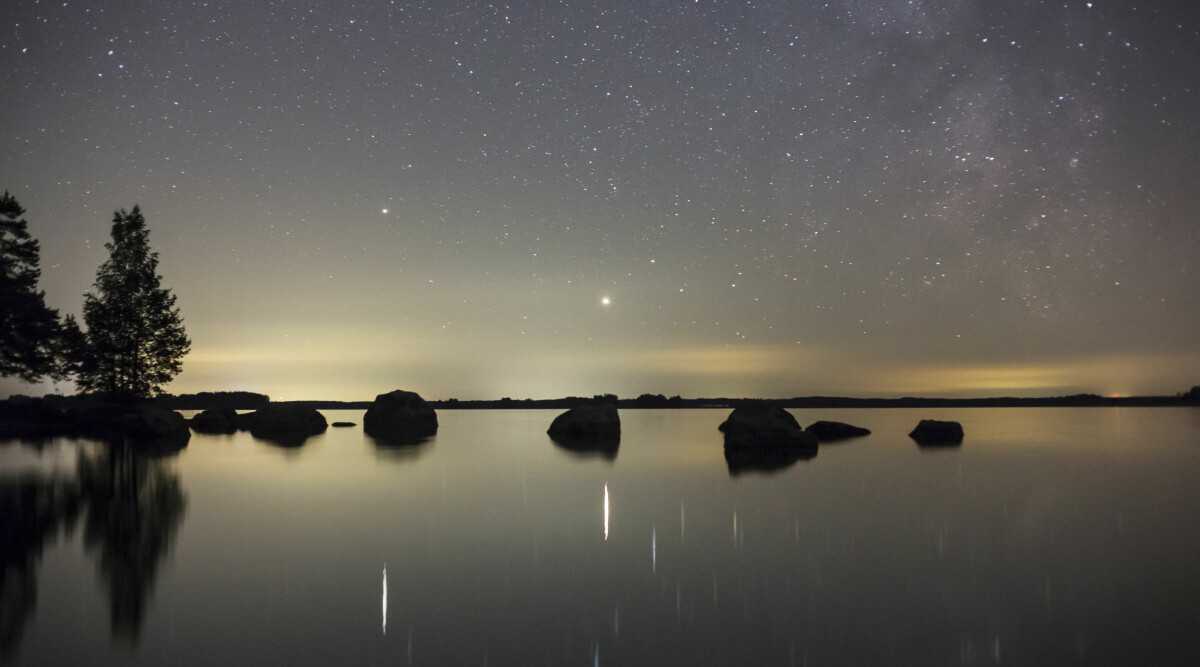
1055 536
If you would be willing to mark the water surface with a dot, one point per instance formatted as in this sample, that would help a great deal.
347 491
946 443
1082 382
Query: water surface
1051 536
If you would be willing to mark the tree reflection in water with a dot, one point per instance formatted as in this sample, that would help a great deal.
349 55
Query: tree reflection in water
132 506
33 507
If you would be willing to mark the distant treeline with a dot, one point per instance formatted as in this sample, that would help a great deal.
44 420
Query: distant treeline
658 401
251 401
245 400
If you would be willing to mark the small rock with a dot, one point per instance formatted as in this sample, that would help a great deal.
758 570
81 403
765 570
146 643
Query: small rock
342 424
827 430
931 432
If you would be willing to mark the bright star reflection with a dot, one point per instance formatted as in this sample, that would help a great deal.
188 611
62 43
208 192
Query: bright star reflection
605 301
606 512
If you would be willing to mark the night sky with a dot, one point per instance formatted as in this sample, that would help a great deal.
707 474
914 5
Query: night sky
775 199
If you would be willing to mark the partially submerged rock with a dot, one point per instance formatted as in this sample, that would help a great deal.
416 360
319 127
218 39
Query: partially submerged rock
829 430
284 424
765 425
764 437
216 421
587 422
400 416
932 433
153 429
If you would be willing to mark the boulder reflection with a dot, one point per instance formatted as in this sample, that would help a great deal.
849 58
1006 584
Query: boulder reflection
589 448
765 460
132 506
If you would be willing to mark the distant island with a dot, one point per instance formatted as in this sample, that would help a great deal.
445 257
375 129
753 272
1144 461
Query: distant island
242 400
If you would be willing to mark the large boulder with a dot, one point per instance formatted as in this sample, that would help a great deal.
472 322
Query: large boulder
400 416
216 421
284 424
763 437
154 429
931 432
587 422
827 430
765 426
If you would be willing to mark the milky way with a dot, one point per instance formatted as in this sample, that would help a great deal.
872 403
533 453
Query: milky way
772 198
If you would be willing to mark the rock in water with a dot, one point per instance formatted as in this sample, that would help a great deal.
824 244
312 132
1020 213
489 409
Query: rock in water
284 424
155 430
400 416
763 437
825 430
931 432
215 421
765 425
587 422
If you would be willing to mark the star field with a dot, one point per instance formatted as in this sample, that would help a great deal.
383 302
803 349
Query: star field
772 198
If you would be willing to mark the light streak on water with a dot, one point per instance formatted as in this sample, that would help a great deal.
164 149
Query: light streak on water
606 512
385 598
654 548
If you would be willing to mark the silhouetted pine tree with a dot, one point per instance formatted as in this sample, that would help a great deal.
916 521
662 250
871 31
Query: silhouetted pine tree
135 341
29 331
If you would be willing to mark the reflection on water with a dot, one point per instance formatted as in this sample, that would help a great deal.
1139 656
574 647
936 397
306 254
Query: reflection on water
131 506
134 506
33 509
1061 537
605 512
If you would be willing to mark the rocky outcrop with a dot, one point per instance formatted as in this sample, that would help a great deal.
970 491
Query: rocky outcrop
284 424
765 426
153 429
765 438
587 422
33 419
932 433
150 429
400 417
215 421
827 430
